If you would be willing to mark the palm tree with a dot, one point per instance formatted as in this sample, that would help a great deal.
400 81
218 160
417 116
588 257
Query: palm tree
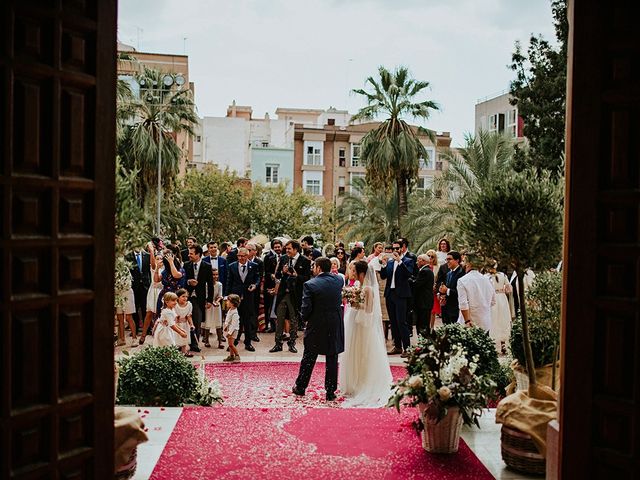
392 150
155 118
475 165
368 215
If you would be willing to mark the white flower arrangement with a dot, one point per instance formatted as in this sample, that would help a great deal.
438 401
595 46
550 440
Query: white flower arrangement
441 375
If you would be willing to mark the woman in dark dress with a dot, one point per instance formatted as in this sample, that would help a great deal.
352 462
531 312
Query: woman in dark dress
172 275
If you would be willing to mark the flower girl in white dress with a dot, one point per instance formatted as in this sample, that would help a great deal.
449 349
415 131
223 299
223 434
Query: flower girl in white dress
184 310
163 334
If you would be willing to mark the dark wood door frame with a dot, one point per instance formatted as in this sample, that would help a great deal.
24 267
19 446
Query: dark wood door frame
57 138
600 396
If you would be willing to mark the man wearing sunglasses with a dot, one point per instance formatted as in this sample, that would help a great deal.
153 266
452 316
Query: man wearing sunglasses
397 271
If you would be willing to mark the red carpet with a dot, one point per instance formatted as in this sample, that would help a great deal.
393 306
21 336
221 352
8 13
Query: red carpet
264 431
262 384
310 443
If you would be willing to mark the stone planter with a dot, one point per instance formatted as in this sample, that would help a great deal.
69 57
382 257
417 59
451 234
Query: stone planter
442 436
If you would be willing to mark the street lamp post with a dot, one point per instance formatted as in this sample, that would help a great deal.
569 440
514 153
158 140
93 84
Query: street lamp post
157 92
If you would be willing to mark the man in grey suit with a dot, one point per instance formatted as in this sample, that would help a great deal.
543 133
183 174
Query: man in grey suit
324 332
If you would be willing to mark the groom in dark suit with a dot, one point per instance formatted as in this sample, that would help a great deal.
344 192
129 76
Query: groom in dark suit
324 334
397 291
200 287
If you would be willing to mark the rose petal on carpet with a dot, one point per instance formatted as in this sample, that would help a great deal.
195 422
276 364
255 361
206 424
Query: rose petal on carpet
311 443
268 384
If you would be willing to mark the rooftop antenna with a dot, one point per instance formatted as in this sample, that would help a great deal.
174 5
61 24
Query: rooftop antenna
139 31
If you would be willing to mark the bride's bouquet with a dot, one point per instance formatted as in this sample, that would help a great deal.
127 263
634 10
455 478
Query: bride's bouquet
354 295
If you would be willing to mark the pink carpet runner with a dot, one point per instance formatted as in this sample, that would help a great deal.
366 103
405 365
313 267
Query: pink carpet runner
264 431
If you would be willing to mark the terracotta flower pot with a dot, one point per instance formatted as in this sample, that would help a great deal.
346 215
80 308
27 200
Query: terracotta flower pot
442 436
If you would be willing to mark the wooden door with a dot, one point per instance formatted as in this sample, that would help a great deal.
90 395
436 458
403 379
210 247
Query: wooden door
600 402
57 82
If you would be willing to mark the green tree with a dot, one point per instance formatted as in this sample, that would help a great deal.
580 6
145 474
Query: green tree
518 223
275 212
153 122
368 214
210 205
391 151
539 92
132 225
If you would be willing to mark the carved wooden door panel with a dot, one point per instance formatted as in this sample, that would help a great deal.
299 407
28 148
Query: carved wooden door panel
57 82
600 404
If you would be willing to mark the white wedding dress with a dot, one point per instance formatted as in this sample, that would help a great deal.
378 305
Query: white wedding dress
364 373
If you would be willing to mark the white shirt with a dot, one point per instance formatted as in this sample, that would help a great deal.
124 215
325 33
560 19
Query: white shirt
196 269
476 294
393 275
214 262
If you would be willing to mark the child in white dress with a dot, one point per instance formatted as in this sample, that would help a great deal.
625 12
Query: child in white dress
184 310
213 315
163 333
231 326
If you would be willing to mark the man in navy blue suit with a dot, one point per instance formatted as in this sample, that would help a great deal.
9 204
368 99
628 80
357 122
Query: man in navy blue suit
324 334
451 308
217 262
397 270
243 280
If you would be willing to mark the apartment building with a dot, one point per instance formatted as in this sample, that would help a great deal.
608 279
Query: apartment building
327 158
495 114
258 148
131 62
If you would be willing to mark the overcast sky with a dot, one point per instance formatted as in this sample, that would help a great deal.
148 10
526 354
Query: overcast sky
303 53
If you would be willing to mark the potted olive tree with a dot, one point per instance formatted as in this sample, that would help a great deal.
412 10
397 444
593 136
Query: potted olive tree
518 222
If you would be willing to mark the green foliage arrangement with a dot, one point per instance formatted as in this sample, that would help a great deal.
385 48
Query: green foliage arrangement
475 341
443 374
544 298
162 376
544 302
544 338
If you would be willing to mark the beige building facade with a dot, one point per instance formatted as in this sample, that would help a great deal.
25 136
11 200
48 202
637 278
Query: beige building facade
327 159
495 114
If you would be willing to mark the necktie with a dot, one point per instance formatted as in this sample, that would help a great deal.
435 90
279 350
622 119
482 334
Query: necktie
449 275
139 260
244 269
195 269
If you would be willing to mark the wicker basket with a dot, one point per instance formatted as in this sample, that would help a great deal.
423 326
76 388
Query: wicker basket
443 436
128 470
520 453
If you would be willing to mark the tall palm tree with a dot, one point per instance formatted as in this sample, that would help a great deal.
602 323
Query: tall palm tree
368 215
471 169
156 118
475 165
391 151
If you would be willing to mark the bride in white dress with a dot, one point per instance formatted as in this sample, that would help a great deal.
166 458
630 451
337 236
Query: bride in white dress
364 374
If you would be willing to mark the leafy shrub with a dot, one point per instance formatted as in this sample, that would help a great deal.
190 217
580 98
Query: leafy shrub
156 376
545 297
503 377
544 301
544 338
476 341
